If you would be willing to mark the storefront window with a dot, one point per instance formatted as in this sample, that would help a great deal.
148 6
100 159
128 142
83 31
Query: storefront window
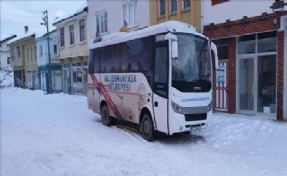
77 78
43 80
85 77
267 42
266 84
56 81
246 44
67 78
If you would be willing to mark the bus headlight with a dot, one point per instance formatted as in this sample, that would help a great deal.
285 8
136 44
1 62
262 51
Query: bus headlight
176 108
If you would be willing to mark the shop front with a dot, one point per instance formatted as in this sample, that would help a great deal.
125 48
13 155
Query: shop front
253 76
75 76
256 73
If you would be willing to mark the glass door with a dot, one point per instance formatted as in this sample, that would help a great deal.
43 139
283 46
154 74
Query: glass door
246 89
266 87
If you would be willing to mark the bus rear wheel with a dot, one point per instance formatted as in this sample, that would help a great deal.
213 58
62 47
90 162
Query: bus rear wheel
147 128
106 119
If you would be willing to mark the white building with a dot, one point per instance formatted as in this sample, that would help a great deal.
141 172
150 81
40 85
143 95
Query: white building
218 11
5 59
105 17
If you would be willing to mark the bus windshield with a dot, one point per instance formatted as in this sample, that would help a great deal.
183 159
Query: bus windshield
191 71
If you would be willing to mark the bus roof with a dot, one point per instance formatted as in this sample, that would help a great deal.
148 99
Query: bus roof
169 26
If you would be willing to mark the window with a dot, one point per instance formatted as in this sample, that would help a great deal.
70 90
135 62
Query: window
31 54
18 51
77 78
129 10
222 48
246 44
214 2
71 31
28 52
173 6
185 4
62 39
267 42
102 23
41 51
160 71
8 60
55 49
82 30
161 7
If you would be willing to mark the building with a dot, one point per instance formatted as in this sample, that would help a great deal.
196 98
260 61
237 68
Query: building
49 82
251 41
73 51
104 18
188 11
23 60
5 58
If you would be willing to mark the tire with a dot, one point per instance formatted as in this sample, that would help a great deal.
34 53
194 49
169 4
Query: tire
114 120
147 128
106 119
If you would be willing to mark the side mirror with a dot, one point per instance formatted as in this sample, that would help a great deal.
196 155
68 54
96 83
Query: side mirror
174 49
214 49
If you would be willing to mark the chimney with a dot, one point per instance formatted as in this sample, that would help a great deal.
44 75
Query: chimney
26 29
278 5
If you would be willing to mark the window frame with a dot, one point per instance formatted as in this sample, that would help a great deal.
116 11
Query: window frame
99 23
82 27
161 6
171 6
62 37
184 7
129 14
72 34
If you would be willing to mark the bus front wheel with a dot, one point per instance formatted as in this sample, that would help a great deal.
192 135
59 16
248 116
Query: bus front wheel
106 119
147 128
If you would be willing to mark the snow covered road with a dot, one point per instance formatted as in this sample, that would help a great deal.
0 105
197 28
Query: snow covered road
57 135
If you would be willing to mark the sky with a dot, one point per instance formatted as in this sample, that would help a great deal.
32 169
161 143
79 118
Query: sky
15 14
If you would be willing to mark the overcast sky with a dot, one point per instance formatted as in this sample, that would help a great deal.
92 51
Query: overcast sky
15 14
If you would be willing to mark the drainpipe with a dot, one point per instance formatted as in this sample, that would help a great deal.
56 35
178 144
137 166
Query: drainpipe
201 17
283 27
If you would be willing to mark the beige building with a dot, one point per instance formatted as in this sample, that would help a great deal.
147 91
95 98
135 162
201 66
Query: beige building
23 60
188 11
73 51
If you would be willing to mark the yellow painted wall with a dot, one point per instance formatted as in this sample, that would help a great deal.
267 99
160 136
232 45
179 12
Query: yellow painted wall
191 16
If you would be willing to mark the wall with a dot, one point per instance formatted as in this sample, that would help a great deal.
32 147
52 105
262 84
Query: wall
115 15
4 54
191 16
255 25
233 10
285 69
42 41
78 48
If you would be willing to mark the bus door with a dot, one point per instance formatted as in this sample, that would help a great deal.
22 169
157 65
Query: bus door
160 86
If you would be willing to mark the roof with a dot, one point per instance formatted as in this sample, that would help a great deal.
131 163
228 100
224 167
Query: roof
169 26
8 38
26 35
81 10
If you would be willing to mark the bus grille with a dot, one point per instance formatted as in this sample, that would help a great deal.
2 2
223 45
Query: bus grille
195 117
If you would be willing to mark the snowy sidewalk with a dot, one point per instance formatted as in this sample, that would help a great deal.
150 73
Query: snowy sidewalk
57 135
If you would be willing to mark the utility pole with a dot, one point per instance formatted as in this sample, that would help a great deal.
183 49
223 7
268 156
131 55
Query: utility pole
46 23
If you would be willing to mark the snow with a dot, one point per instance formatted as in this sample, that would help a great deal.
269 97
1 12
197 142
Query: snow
6 79
58 135
164 27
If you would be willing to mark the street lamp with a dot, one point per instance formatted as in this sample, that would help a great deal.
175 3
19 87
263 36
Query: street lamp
46 23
